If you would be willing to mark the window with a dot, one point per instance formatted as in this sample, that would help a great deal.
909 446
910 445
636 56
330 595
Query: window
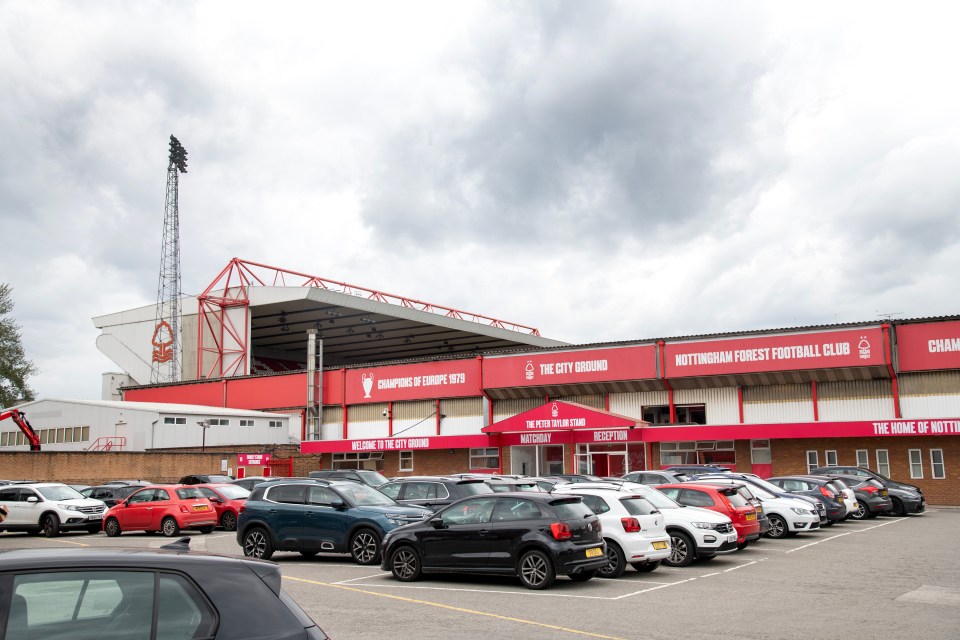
287 493
219 422
686 414
813 461
916 463
246 423
597 504
937 470
760 452
391 490
406 461
518 509
694 498
831 458
322 496
372 460
488 458
863 458
883 462
275 424
174 420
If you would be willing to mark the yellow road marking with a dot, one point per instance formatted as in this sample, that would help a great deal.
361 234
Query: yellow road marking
458 609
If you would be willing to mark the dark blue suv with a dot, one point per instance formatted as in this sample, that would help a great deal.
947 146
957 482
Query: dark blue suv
310 516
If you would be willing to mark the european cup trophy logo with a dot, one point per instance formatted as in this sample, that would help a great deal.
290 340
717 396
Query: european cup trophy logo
367 379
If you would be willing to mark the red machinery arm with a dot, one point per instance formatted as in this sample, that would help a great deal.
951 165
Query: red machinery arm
21 419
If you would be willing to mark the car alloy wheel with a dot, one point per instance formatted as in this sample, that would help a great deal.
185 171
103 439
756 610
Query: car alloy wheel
535 570
228 521
616 563
778 528
256 544
169 527
405 564
860 513
112 527
365 546
51 525
681 553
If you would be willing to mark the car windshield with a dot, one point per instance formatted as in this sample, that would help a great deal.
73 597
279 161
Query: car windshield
233 492
475 487
59 492
638 506
220 479
735 498
373 478
571 508
763 494
364 496
188 493
659 500
763 484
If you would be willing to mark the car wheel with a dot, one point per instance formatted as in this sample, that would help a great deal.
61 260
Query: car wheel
616 563
535 570
256 544
169 527
645 567
228 521
365 547
861 512
778 527
207 529
405 564
682 552
583 576
898 510
112 527
50 525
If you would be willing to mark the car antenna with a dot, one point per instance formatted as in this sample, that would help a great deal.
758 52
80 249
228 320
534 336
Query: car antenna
183 544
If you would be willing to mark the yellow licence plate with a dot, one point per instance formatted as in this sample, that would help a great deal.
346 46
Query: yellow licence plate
199 507
884 493
660 545
751 516
595 551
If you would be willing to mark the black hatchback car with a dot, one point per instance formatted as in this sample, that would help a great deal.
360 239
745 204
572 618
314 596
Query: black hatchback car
111 494
94 594
821 487
534 536
433 492
905 498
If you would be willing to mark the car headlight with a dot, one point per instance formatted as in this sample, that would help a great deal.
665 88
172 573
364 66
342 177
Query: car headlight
69 507
801 512
397 521
702 525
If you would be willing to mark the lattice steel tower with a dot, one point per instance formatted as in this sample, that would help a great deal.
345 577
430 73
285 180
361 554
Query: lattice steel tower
165 366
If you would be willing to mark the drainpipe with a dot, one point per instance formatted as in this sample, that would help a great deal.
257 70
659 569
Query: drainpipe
606 402
343 400
888 358
816 403
740 402
390 418
436 413
663 374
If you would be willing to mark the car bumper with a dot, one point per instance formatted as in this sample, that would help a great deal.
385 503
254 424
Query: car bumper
643 551
804 523
712 542
575 560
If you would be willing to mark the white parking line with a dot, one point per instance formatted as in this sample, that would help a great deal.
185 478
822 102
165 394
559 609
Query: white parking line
847 533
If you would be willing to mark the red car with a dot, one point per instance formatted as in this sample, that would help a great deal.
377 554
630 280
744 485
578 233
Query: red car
725 500
227 499
164 508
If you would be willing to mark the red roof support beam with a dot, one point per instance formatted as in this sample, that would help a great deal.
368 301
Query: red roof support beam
888 359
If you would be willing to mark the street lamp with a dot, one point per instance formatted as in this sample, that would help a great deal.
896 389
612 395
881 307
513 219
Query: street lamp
204 424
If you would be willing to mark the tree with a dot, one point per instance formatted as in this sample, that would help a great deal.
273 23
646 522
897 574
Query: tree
14 366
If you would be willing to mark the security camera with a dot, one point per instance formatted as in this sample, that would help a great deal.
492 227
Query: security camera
386 412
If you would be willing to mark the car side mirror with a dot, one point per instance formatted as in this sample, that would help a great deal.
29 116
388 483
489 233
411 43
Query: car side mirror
33 499
437 522
338 504
216 500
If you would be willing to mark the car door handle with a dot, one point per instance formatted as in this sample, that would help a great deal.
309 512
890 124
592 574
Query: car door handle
484 532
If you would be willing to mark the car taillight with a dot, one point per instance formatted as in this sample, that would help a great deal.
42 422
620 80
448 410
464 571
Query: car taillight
561 531
869 488
630 525
183 509
826 492
243 507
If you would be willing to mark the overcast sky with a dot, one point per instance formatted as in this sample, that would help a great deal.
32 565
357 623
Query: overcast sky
599 170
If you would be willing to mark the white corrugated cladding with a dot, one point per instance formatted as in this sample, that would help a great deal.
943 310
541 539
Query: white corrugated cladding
464 416
632 404
777 404
594 400
411 419
367 421
721 404
503 409
934 394
855 400
332 427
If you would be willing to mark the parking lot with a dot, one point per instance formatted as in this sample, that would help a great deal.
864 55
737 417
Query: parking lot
898 577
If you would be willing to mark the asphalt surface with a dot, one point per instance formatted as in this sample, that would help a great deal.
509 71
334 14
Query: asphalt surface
886 577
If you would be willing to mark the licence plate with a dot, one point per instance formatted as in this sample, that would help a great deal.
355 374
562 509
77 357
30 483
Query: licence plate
884 493
594 552
199 507
97 518
660 545
751 516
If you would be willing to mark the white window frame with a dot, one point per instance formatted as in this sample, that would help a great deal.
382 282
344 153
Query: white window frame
219 422
830 458
915 458
883 468
815 457
174 420
275 424
406 461
246 422
481 453
942 475
863 458
760 452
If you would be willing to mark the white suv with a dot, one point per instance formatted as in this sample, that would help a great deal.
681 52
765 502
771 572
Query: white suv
695 533
788 516
49 507
634 530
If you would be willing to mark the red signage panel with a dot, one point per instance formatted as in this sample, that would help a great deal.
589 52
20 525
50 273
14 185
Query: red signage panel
396 444
793 430
208 394
333 387
253 459
559 416
267 392
571 367
926 347
421 381
760 354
